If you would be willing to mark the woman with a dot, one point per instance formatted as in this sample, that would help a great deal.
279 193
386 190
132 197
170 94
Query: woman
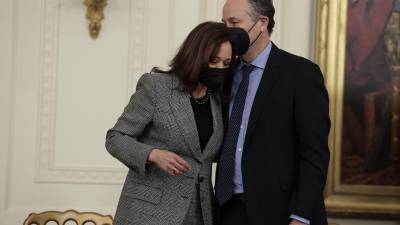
170 133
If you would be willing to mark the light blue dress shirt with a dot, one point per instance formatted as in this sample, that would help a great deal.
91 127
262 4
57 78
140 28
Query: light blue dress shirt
259 64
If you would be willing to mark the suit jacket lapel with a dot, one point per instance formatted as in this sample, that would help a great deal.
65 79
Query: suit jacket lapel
268 80
184 116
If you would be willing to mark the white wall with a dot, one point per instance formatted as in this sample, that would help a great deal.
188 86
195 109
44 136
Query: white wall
6 58
60 91
294 23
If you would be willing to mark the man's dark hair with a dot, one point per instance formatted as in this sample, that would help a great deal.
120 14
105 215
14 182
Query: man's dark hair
264 8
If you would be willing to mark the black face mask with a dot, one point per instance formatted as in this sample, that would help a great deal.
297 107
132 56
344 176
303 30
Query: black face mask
213 78
257 36
239 39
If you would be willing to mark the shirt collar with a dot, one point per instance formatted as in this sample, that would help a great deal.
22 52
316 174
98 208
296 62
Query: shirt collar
261 60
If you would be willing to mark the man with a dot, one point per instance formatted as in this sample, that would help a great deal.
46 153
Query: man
273 165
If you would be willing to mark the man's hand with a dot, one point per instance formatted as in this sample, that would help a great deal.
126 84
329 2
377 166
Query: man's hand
295 222
169 162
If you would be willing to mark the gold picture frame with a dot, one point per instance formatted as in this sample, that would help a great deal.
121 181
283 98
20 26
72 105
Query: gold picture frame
343 199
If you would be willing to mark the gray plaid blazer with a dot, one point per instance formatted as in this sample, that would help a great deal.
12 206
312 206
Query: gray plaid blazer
160 116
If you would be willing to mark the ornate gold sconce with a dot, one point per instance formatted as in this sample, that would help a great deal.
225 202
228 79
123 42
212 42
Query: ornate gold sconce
95 14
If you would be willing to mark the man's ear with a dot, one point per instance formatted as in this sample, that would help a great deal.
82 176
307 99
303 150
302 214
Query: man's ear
264 23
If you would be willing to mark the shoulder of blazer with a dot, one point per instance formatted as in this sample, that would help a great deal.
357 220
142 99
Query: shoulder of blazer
159 79
162 83
158 85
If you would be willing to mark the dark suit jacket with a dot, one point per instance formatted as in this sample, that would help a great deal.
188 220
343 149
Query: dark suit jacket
286 155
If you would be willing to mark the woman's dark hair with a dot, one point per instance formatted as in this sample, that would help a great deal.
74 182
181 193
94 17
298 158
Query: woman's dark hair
199 48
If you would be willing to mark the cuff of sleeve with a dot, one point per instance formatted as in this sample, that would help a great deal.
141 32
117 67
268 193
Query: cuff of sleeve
300 219
144 164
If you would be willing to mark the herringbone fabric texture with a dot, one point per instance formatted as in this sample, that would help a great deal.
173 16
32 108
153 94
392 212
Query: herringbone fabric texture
160 116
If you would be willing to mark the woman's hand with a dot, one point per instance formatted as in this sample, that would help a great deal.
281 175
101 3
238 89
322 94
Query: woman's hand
169 162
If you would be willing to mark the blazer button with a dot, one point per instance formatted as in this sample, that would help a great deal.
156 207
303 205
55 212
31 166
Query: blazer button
201 179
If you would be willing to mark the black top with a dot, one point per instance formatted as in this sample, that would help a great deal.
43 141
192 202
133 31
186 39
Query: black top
203 117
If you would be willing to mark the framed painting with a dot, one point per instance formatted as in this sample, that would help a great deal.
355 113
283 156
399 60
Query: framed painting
358 50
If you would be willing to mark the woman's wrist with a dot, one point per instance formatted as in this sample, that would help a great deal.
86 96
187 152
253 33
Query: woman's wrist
150 157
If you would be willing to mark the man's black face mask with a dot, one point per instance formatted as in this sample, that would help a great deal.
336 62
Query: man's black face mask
239 39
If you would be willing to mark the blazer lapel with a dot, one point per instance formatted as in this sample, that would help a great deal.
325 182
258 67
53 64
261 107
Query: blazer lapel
269 78
215 140
184 116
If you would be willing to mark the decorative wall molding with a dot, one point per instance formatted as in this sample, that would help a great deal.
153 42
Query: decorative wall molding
9 101
46 169
137 43
172 26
